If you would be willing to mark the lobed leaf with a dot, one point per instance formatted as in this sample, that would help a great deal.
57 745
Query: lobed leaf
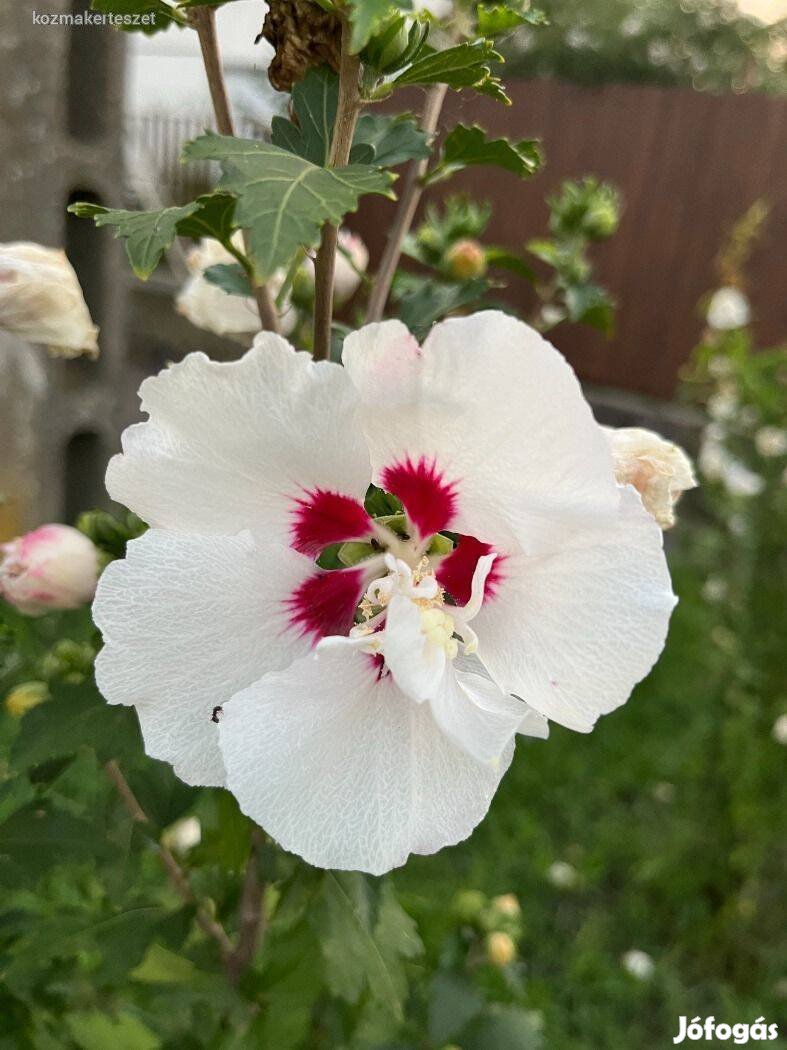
465 65
468 146
282 198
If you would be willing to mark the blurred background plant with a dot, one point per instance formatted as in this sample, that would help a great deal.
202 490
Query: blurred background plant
710 45
552 927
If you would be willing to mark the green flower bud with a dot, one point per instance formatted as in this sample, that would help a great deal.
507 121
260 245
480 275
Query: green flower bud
469 904
466 259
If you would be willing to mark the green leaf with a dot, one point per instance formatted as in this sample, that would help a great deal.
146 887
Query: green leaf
163 15
230 277
465 147
148 234
393 140
453 1003
504 1028
368 17
494 19
161 966
226 833
588 304
510 261
463 66
314 100
365 938
34 840
282 198
76 716
420 309
98 1031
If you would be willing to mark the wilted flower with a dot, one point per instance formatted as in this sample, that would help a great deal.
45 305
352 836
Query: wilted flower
41 300
563 875
638 963
53 567
659 470
25 697
728 308
366 712
779 731
183 835
208 306
771 441
500 949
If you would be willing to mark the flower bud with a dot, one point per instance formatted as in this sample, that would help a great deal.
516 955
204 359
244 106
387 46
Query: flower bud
183 835
25 697
507 904
779 730
208 306
659 470
500 949
385 50
53 567
728 308
352 261
466 259
41 300
563 875
469 904
638 963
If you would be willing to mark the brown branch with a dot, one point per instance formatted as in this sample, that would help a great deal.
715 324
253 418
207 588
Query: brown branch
204 21
210 926
251 914
349 106
409 199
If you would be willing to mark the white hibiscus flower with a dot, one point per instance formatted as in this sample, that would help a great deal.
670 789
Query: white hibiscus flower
365 713
208 306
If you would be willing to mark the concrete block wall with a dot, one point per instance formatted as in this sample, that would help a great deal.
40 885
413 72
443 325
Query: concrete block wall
61 115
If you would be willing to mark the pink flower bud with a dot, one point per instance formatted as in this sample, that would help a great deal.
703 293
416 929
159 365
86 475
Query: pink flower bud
466 259
53 567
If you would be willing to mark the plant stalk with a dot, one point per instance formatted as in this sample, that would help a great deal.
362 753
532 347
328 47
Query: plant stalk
409 199
251 914
210 926
349 106
204 21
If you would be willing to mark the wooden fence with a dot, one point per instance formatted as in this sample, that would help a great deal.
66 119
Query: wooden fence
688 166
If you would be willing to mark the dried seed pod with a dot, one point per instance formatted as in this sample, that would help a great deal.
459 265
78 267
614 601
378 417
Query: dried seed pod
304 35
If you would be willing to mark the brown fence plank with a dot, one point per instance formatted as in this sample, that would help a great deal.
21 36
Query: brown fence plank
688 165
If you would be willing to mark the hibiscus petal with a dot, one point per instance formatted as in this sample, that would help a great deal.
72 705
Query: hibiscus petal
187 621
344 770
233 445
497 412
574 631
417 665
479 718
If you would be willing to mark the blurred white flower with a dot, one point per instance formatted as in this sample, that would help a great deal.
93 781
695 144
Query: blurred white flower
41 300
771 441
659 470
53 567
717 463
723 405
352 261
728 308
779 731
208 306
439 9
183 835
664 792
563 875
638 963
714 589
